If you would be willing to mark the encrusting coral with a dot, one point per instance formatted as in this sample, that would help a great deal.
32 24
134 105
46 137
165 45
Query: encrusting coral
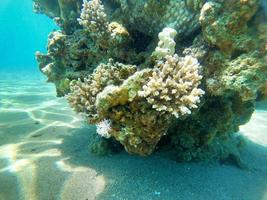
106 60
228 30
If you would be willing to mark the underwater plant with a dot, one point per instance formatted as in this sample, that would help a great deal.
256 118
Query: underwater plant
182 73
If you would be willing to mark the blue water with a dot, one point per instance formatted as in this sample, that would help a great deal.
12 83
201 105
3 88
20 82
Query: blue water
22 32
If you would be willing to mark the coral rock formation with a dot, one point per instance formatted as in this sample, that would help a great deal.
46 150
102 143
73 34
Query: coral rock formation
106 60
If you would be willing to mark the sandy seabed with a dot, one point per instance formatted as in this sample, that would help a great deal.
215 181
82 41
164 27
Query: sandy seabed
44 155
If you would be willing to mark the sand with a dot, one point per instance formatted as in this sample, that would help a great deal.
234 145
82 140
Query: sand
44 155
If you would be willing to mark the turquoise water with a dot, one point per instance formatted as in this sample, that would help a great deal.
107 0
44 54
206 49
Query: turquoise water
22 33
44 151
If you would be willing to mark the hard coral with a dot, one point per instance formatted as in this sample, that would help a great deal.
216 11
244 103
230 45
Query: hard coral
173 86
94 18
83 93
166 44
243 75
133 123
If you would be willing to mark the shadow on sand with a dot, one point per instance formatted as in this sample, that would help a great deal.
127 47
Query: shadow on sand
155 177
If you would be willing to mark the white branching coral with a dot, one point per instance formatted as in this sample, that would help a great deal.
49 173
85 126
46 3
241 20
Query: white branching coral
166 44
173 86
103 128
83 93
93 17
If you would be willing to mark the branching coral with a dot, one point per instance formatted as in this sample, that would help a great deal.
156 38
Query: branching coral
173 86
166 44
83 93
132 123
74 56
94 18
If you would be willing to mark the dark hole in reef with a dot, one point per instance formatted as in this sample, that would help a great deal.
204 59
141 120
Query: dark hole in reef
111 4
260 16
164 143
80 67
140 41
237 53
115 146
188 40
83 46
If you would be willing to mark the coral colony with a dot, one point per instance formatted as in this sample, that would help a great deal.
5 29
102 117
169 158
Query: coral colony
182 74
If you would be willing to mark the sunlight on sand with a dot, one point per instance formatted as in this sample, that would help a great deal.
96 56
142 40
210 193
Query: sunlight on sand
84 181
256 129
34 105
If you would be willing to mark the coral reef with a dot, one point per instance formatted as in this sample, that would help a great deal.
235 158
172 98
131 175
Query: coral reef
138 69
208 134
236 75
